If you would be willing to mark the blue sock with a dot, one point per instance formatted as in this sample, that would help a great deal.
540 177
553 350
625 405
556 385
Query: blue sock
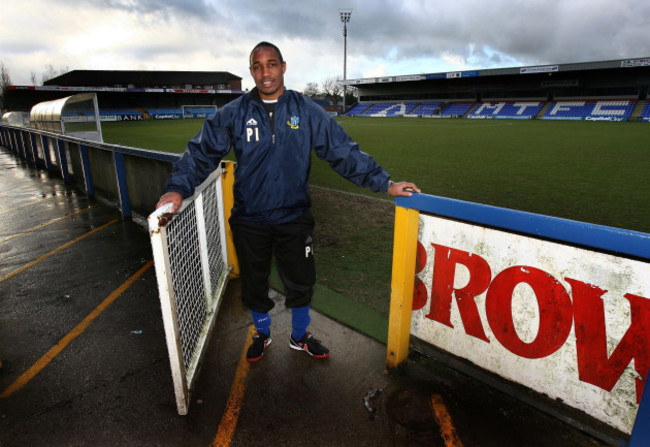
262 322
300 319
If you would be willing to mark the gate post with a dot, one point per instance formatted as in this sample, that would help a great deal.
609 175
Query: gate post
403 274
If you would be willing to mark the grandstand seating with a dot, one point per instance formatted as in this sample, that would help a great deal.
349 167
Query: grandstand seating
457 109
427 108
610 110
358 109
507 110
377 109
406 108
605 109
526 109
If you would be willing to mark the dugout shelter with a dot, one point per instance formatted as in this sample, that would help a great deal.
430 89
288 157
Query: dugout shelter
76 115
18 119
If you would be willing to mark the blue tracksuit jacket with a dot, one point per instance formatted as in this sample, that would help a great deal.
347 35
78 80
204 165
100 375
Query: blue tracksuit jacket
272 171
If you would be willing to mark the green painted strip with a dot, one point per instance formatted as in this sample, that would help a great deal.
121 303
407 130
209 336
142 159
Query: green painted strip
344 310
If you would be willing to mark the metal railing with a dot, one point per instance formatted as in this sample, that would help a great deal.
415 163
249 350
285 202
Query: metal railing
193 251
130 178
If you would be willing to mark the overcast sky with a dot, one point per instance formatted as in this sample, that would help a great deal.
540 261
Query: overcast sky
385 37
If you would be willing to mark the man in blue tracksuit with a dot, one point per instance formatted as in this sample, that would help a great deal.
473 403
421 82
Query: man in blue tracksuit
273 131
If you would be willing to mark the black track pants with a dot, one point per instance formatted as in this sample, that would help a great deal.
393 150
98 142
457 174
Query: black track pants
291 245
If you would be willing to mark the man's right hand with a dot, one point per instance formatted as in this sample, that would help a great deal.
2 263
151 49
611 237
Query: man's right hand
171 197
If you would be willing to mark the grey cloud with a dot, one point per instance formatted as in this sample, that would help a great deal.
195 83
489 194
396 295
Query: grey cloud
493 32
165 9
260 18
478 33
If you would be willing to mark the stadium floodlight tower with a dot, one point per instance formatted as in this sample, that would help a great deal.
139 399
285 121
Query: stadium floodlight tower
345 14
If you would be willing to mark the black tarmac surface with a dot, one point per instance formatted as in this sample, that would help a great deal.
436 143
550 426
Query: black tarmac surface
84 359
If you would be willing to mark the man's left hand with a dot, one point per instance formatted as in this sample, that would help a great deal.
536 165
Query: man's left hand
405 189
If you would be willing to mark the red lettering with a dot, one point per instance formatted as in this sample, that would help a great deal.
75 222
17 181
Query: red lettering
420 258
555 313
594 364
444 272
420 295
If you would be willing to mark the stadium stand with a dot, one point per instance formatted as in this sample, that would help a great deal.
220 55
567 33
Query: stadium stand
427 108
411 108
133 95
358 109
457 109
616 110
578 109
396 110
507 110
605 90
379 109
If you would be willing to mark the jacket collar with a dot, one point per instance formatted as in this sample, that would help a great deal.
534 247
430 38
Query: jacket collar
255 95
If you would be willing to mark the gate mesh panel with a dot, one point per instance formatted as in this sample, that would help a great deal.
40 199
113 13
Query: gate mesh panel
187 279
212 228
192 271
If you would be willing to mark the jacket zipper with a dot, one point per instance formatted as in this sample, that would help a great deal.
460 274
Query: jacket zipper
269 121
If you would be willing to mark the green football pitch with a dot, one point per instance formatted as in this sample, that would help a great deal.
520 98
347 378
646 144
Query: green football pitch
594 172
587 171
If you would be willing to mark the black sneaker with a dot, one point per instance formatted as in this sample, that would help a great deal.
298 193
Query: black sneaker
256 349
310 345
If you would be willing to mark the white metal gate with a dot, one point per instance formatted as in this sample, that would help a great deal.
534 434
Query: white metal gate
189 250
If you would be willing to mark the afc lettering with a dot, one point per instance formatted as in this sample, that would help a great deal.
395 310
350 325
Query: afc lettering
560 309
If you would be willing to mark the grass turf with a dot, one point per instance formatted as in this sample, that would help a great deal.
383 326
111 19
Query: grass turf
587 171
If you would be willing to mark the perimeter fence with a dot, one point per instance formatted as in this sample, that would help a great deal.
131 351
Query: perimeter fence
193 256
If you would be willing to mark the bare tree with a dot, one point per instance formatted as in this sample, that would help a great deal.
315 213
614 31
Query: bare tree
51 72
351 96
5 81
332 89
32 76
311 90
